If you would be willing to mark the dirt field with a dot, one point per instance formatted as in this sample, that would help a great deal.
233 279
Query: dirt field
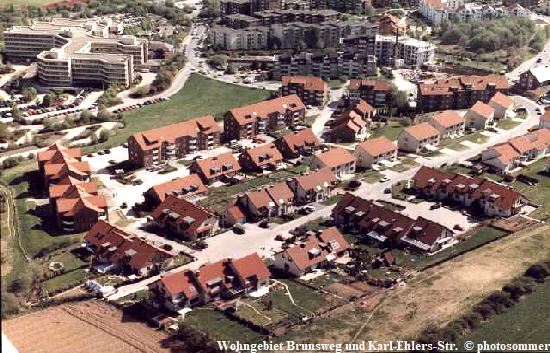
83 327
440 294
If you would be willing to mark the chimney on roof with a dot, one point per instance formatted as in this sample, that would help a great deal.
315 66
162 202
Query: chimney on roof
229 259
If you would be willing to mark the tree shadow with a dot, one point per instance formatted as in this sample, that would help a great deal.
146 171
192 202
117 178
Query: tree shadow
35 187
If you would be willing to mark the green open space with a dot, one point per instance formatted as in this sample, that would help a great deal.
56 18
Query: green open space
391 130
200 96
69 260
474 238
259 312
507 124
306 300
404 165
526 322
220 327
540 193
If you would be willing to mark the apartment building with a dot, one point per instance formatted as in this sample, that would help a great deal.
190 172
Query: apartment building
449 123
339 161
480 116
250 38
247 7
77 52
389 24
222 167
375 92
259 118
517 152
534 78
387 228
311 89
271 201
272 17
125 252
478 195
332 65
222 280
419 137
171 142
525 3
298 144
405 50
189 188
459 92
376 152
438 11
184 218
258 159
315 250
313 187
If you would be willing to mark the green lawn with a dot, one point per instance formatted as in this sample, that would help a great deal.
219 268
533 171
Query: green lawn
200 96
332 200
391 130
507 124
306 299
456 144
540 194
69 279
477 237
69 260
526 322
368 175
406 164
219 327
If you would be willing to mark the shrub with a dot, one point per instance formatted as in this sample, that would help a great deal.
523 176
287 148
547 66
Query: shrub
485 310
473 319
538 272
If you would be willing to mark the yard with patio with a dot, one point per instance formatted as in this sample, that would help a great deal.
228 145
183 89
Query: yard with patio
456 144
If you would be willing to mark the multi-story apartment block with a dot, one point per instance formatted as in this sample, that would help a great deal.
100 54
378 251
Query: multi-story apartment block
311 89
258 118
535 77
349 63
413 52
389 24
375 92
459 92
249 38
439 11
171 142
272 17
74 52
247 7
525 3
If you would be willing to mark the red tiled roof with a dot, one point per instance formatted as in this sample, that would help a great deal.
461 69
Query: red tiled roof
128 249
251 266
376 85
225 162
502 100
264 154
263 110
189 185
377 146
183 212
300 139
448 118
321 178
55 149
310 83
335 157
422 131
363 107
61 190
443 87
316 248
482 109
180 282
154 138
545 116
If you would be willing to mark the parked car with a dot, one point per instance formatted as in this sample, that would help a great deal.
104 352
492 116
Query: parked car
384 179
435 206
527 179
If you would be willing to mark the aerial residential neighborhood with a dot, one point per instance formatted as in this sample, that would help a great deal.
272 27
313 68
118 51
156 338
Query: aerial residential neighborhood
250 175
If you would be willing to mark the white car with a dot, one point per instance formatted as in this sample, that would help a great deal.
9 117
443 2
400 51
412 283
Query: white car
309 208
384 179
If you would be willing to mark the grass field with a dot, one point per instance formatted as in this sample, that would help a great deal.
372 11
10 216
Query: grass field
540 194
438 295
507 124
391 130
219 327
526 322
305 298
200 96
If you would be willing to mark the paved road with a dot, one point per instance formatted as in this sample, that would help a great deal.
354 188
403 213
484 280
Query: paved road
529 64
262 240
318 126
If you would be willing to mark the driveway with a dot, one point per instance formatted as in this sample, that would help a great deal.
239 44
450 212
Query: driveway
335 95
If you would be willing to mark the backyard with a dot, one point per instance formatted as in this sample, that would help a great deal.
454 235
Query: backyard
391 130
220 327
540 193
456 144
200 96
507 124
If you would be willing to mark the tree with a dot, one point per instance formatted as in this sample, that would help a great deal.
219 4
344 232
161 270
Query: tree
218 61
86 116
10 304
369 10
104 115
104 135
398 98
29 93
4 130
48 99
